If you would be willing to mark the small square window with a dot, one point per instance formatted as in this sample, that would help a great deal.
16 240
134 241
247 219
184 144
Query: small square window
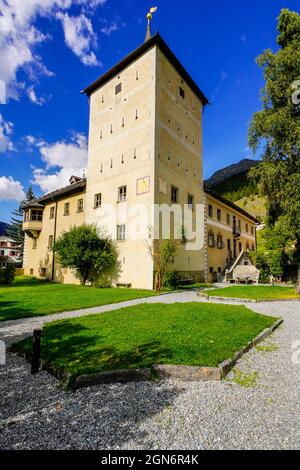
210 210
228 219
219 214
97 200
247 228
118 88
67 208
181 92
174 194
52 212
121 232
122 194
252 230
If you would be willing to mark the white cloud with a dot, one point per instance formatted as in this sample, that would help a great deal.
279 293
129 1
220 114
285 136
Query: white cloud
243 38
62 160
20 37
6 130
11 190
111 28
33 98
79 36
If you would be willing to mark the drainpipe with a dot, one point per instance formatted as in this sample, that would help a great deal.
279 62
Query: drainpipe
54 239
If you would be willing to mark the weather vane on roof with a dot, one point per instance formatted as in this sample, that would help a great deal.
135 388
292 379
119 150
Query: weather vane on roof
149 18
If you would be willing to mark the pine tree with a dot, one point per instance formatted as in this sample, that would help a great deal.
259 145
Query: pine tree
15 229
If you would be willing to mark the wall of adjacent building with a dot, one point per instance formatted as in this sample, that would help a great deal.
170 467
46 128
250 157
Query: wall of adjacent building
38 261
218 258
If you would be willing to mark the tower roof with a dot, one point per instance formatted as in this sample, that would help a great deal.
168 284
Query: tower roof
156 40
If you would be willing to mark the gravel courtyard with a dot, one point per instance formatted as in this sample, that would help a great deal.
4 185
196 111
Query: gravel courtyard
37 414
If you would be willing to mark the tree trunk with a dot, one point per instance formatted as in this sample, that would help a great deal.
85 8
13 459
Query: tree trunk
298 282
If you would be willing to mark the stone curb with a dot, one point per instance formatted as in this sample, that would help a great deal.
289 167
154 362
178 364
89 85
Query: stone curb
244 301
187 373
226 366
118 376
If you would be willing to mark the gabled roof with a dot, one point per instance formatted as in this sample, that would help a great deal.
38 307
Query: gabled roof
71 188
156 40
211 192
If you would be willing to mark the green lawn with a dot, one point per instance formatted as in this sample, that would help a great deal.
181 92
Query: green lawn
28 297
256 292
136 337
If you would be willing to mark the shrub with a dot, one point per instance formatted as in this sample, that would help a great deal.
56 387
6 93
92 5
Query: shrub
277 261
92 256
260 260
7 274
171 280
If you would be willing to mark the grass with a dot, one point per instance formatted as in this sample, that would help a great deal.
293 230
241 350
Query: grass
28 297
137 337
256 292
267 348
244 379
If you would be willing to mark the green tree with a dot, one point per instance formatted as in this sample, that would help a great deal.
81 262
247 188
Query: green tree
163 254
90 255
15 230
275 130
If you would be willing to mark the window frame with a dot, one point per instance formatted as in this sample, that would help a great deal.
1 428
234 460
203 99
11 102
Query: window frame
52 213
66 209
122 193
80 205
121 232
97 197
174 191
50 241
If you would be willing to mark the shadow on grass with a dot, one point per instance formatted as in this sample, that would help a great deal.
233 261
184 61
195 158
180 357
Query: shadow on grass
14 310
74 349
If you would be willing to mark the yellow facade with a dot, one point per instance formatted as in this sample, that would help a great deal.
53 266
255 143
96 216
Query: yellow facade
145 149
38 257
229 231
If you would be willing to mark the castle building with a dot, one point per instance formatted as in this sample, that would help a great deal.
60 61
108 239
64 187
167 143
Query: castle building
145 152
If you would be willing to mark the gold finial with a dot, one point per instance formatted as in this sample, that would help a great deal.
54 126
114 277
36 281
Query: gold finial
149 18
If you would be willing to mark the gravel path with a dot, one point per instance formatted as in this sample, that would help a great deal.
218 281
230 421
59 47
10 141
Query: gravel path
37 414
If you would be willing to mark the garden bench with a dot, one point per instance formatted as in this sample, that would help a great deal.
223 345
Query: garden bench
126 286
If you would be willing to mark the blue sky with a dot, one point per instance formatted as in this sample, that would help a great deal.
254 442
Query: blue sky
52 49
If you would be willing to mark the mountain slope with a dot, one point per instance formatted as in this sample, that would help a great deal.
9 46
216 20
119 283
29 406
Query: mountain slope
232 182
